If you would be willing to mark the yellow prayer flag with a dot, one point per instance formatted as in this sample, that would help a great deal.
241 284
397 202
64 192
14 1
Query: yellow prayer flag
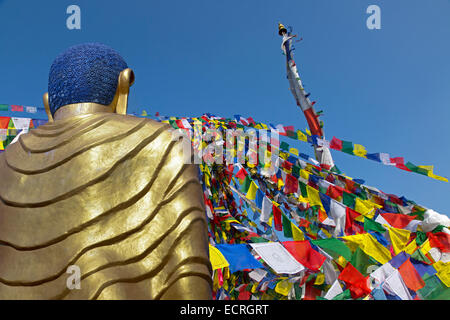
320 279
301 136
313 197
443 271
293 151
425 247
369 245
304 174
217 259
302 199
359 150
411 247
342 261
280 184
251 193
325 231
297 234
431 174
364 208
399 238
283 287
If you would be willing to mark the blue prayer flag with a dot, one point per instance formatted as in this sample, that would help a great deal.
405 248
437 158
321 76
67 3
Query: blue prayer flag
239 257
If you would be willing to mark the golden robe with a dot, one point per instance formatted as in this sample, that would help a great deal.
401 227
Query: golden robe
110 194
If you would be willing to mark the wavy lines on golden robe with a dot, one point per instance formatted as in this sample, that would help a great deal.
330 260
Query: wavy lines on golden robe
110 194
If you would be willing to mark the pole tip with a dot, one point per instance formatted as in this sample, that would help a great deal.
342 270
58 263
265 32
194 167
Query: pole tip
281 29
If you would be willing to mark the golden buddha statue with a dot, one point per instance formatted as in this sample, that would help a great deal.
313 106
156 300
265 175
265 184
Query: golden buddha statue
100 190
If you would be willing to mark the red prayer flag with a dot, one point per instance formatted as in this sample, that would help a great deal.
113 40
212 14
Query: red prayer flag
244 294
399 163
336 144
304 223
277 218
397 220
410 276
334 192
305 254
440 240
352 227
291 185
322 216
251 121
180 124
355 281
350 185
4 122
241 174
311 292
16 108
286 165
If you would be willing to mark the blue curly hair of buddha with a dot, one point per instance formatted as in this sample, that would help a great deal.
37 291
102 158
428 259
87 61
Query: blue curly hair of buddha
84 73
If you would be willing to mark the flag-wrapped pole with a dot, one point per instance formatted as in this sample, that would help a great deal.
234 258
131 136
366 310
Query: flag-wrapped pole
322 153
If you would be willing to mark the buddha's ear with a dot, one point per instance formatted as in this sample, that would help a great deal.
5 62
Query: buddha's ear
125 81
47 107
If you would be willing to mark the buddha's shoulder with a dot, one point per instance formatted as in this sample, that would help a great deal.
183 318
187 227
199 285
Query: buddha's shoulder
113 119
109 124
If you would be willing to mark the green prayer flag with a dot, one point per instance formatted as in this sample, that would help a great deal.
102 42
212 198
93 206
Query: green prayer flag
258 239
334 247
421 237
434 289
173 124
303 189
347 147
349 199
3 107
296 171
284 146
287 229
418 255
246 184
343 296
362 261
419 214
416 169
371 225
335 169
298 291
439 228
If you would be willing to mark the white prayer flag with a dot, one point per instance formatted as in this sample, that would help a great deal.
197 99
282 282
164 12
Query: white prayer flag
334 291
277 257
337 212
266 209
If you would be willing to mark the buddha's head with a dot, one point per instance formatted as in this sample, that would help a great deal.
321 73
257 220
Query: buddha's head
88 75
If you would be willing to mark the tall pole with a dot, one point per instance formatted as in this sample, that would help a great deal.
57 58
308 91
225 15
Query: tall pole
322 153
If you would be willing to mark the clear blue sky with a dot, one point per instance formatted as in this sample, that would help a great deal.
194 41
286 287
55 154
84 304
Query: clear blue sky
386 89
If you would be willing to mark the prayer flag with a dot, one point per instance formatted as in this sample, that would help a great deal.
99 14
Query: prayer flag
305 254
238 257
